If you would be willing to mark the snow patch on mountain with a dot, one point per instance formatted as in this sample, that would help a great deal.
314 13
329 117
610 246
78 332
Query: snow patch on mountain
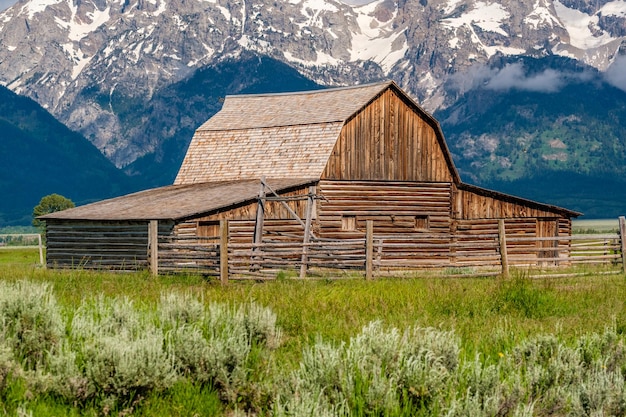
377 40
614 8
37 6
488 17
79 28
582 28
541 15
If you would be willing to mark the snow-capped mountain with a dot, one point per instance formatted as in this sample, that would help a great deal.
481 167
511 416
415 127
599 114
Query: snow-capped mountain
89 61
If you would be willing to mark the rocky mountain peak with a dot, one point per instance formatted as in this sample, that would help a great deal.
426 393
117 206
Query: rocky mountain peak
91 62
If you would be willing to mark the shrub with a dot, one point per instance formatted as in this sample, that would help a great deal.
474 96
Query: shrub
180 309
30 321
379 372
221 346
113 354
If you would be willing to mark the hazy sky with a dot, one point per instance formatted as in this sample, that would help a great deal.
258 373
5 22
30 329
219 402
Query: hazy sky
5 4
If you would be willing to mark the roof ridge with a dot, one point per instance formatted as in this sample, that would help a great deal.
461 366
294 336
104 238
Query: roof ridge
321 90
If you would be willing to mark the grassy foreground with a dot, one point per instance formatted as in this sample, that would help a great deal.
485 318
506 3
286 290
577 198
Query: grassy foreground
520 332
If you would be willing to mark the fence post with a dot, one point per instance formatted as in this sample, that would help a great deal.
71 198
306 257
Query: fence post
622 237
369 248
224 251
153 246
504 259
307 232
40 250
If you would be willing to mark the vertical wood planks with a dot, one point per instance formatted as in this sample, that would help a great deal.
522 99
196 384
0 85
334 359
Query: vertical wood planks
388 140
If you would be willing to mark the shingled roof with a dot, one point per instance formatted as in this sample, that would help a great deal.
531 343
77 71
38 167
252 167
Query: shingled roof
278 135
175 202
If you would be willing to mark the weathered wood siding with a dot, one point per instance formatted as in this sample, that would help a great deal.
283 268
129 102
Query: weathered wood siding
118 245
388 140
486 230
279 224
470 205
395 207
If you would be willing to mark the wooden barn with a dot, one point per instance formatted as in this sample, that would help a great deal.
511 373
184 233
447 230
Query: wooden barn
308 167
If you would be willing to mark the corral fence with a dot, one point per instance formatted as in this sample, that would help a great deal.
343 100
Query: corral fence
15 241
379 255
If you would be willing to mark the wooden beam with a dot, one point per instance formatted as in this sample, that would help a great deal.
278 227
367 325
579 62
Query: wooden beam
622 235
224 251
307 232
504 260
153 246
260 214
369 249
282 202
40 244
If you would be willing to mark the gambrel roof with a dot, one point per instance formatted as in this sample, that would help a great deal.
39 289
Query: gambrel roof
281 135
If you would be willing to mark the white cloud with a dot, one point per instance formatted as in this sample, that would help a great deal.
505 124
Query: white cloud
515 77
616 73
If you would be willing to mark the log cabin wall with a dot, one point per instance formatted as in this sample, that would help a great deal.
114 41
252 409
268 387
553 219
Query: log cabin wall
388 140
118 245
279 224
396 207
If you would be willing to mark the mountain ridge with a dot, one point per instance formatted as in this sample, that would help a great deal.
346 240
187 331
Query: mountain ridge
41 156
57 51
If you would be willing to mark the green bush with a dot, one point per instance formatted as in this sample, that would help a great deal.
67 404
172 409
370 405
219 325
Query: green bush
30 321
381 372
113 354
221 345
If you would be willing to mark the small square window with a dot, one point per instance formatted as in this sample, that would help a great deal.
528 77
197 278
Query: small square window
421 223
348 223
210 228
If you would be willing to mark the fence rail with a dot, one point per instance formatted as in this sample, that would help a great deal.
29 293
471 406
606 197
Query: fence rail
21 241
378 254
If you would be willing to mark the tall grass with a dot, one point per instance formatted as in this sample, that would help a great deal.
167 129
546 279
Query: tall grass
388 347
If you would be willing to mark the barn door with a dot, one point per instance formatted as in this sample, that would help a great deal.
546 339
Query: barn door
547 249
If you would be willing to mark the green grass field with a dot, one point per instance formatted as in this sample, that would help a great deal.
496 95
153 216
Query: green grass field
491 319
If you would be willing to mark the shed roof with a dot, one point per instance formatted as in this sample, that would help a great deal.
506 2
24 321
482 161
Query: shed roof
175 202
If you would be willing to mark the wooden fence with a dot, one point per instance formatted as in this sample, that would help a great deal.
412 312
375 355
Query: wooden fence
23 241
377 255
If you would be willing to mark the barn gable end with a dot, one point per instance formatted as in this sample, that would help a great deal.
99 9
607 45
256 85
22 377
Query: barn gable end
391 139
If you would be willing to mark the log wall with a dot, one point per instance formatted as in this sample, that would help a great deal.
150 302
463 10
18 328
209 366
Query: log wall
118 245
395 207
388 140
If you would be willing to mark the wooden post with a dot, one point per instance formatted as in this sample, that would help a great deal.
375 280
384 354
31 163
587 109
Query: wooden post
504 259
307 232
622 236
224 251
40 250
260 214
258 228
369 249
153 246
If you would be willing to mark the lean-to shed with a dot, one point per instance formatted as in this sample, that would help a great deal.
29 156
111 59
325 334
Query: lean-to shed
335 158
